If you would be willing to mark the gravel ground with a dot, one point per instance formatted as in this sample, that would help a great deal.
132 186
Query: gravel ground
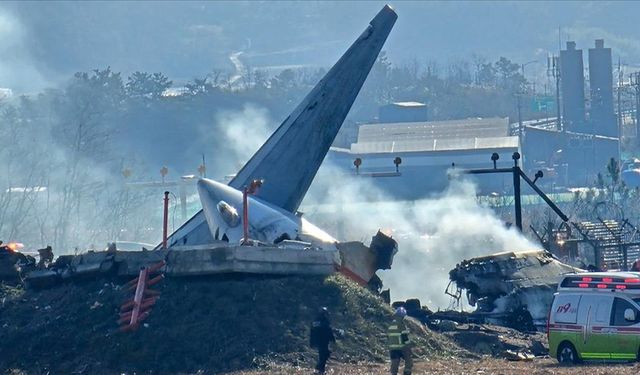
455 366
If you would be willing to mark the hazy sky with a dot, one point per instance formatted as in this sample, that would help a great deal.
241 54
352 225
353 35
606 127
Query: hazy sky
42 43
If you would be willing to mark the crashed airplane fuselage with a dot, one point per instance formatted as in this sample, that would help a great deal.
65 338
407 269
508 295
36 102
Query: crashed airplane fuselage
288 161
267 223
505 286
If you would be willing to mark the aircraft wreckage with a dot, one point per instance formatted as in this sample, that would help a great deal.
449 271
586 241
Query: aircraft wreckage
246 229
510 288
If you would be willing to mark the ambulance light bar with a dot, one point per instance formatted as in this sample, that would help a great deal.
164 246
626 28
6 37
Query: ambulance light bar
607 282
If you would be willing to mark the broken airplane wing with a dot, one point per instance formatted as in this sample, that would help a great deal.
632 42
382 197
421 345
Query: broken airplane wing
290 158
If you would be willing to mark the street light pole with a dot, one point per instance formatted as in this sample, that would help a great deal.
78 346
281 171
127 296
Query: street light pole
553 70
524 90
519 98
522 66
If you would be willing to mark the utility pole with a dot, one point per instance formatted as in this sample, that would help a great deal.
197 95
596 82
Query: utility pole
635 82
553 70
620 78
519 99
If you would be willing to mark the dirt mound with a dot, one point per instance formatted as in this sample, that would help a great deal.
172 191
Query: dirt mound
210 324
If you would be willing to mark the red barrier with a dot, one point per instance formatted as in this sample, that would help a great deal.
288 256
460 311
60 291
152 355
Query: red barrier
137 309
156 267
245 217
155 280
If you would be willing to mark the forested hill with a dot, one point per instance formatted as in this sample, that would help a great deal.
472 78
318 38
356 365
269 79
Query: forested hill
48 41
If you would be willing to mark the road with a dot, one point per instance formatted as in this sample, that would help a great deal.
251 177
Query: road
467 366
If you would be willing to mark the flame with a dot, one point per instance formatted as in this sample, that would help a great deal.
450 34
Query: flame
14 246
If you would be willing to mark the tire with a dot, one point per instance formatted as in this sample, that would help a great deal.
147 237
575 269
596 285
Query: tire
567 354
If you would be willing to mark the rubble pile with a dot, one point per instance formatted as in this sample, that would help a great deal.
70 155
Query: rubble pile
470 332
498 341
210 324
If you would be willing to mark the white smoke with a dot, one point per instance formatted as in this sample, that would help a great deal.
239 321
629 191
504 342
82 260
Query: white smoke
433 234
244 132
17 70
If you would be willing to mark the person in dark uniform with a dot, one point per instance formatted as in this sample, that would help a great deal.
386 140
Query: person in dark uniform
46 257
320 338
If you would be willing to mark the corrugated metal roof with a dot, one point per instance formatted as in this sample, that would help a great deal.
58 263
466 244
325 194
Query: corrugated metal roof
425 145
434 130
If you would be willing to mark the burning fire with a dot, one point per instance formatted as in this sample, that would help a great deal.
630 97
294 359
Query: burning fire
14 246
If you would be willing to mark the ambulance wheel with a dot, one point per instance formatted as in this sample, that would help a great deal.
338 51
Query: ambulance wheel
567 354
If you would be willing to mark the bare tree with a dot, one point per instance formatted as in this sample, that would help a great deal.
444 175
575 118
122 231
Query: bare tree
85 131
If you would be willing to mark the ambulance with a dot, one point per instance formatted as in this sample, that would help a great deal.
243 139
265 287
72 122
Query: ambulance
595 315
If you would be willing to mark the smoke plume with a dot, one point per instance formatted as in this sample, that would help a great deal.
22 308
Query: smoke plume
433 234
18 73
243 132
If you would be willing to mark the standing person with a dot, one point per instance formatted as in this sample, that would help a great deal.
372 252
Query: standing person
320 338
46 257
399 343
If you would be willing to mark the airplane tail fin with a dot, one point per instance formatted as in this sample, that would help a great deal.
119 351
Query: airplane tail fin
290 158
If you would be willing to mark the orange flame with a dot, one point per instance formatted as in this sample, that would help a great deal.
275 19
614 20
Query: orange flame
14 246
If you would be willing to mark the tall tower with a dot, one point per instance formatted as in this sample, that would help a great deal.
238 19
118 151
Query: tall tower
601 81
571 71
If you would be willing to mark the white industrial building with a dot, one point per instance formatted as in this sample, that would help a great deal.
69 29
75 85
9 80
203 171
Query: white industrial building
428 150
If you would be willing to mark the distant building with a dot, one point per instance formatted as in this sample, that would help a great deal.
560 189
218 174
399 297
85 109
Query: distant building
575 155
428 150
388 113
572 75
603 118
402 112
569 158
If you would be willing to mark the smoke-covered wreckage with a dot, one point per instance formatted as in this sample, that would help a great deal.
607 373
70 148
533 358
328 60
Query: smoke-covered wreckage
510 288
277 239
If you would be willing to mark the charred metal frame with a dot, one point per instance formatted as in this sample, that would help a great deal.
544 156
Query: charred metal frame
619 241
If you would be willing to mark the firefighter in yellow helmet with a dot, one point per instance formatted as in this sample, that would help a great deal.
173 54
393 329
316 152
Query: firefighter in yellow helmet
399 343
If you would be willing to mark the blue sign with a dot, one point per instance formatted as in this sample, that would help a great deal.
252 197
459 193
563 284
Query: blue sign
543 104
